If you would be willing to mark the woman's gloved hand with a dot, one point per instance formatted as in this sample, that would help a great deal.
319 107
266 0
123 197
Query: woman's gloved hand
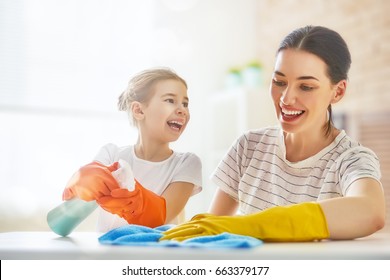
299 222
141 206
91 182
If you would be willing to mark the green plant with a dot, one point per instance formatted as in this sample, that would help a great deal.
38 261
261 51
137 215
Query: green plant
234 70
254 64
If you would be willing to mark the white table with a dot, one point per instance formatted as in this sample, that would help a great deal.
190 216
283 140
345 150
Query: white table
85 245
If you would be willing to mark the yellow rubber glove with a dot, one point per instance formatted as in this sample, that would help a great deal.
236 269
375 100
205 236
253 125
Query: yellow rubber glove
91 181
141 206
299 222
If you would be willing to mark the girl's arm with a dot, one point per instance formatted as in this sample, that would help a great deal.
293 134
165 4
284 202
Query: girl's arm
360 213
176 196
223 204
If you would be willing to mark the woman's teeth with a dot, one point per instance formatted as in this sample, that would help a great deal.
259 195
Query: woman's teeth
291 113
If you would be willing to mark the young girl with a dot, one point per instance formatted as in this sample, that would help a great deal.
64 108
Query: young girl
157 102
304 179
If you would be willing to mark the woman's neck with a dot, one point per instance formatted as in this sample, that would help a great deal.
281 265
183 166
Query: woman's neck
300 146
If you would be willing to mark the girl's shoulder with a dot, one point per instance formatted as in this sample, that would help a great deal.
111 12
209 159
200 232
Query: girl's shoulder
111 152
187 157
115 149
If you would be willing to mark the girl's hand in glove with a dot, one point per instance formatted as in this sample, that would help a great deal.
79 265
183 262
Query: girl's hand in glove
141 206
91 182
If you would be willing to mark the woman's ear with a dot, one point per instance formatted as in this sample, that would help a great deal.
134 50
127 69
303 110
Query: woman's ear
136 110
339 91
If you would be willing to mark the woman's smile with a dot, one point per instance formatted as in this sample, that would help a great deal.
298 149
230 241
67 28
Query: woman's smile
290 115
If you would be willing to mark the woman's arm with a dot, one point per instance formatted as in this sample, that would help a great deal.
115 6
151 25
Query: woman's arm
176 196
360 213
223 204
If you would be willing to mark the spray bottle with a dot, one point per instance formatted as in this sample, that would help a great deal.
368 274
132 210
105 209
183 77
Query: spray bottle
64 218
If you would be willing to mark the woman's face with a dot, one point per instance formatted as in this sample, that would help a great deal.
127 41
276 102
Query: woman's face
301 91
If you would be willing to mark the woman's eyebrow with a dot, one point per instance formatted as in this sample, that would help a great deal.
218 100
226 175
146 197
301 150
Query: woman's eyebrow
299 78
279 73
307 78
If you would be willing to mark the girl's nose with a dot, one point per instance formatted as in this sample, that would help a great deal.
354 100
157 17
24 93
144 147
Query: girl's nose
181 109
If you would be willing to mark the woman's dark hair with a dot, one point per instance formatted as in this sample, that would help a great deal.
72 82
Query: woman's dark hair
327 45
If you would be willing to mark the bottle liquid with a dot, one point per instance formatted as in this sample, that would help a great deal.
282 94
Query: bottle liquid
64 218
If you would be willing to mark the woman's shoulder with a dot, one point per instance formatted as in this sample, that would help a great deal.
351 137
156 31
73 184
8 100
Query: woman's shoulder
354 161
348 147
264 135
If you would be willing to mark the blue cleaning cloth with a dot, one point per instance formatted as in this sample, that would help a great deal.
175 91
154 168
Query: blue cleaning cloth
135 235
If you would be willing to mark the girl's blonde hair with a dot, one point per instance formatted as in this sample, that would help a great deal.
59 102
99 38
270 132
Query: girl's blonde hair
140 86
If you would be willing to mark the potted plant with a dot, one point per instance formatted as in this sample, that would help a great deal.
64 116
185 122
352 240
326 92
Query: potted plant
252 74
233 77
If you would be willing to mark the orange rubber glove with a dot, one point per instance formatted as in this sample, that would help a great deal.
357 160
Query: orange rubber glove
141 206
91 182
299 222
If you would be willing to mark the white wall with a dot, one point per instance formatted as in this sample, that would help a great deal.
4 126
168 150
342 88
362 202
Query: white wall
63 65
208 39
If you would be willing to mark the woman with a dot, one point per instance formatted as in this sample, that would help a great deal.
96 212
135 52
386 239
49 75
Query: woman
305 179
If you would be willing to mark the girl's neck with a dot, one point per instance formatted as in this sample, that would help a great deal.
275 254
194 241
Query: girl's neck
152 151
302 146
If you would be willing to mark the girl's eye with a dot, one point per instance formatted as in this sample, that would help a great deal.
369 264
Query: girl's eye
185 104
278 83
170 100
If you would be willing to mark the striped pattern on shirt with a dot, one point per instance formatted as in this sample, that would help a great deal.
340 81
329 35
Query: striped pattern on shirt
255 170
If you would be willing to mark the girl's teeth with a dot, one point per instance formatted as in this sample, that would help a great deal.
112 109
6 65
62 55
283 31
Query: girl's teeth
175 124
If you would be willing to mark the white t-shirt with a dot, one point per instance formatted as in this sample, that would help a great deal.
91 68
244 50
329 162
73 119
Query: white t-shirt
155 176
257 174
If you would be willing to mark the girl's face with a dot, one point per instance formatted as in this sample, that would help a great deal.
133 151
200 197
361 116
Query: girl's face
166 114
301 91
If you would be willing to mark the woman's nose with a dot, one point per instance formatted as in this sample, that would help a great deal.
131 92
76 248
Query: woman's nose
288 97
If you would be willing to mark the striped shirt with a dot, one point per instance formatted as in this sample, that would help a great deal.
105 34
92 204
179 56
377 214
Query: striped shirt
256 173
